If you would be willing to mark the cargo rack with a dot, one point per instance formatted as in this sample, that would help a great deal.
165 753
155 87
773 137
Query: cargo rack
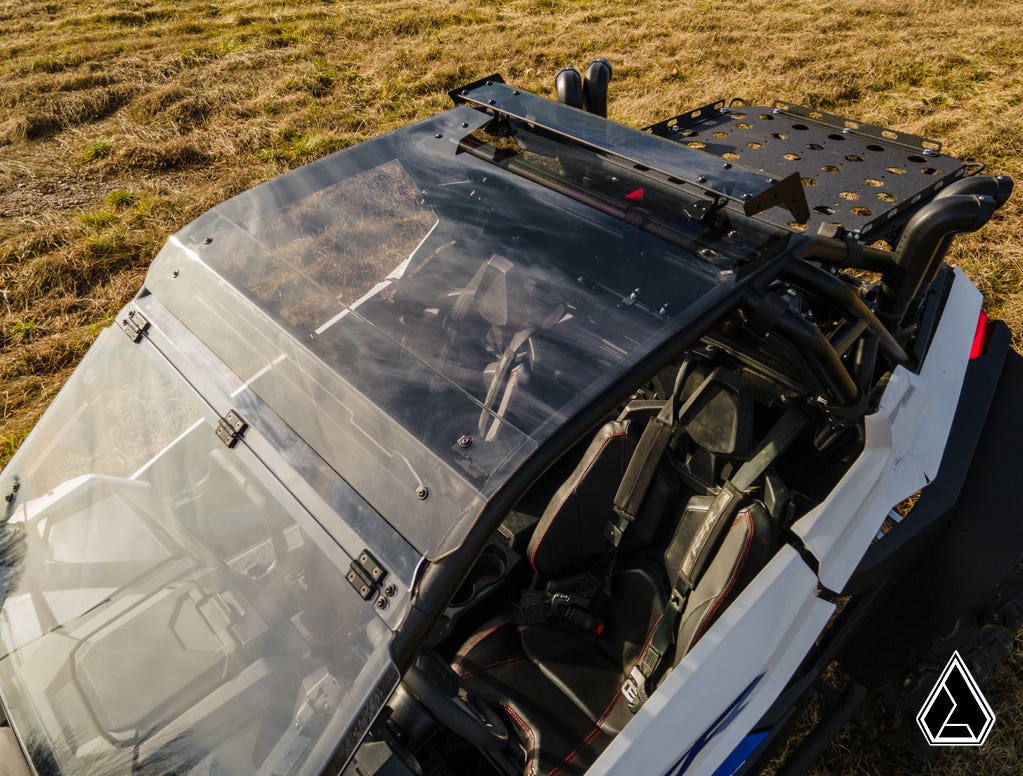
860 178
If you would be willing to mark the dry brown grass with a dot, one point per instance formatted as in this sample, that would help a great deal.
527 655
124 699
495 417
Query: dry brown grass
121 122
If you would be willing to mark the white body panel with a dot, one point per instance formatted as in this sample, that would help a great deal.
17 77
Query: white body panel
692 723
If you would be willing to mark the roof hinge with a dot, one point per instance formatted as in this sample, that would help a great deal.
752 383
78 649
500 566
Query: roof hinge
134 325
230 428
364 574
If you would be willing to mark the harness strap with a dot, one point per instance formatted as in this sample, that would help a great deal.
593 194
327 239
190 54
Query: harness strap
701 536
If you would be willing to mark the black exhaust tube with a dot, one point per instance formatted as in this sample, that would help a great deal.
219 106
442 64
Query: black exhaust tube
569 85
598 76
924 243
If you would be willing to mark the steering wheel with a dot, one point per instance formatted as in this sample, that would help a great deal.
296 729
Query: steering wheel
435 684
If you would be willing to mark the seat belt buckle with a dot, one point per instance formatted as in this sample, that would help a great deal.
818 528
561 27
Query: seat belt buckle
634 689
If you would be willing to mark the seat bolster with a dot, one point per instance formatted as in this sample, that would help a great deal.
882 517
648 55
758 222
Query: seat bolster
559 738
571 532
745 550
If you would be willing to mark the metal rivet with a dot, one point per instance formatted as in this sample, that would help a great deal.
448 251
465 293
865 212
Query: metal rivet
747 195
772 180
515 91
438 136
422 493
776 111
702 179
491 102
207 241
846 131
465 125
726 166
175 273
382 602
390 590
465 441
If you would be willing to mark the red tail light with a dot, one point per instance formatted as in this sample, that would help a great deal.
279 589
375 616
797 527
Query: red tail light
980 336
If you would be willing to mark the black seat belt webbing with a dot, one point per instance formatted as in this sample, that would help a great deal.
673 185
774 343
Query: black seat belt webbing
702 540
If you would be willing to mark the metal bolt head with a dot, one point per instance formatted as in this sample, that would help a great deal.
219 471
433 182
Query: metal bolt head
390 590
131 313
726 166
175 273
207 241
491 102
382 602
846 131
438 135
776 111
465 125
422 493
465 441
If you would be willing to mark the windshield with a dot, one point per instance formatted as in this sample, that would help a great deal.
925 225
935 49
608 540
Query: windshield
424 316
169 608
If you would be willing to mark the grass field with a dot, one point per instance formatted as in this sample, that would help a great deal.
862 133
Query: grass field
120 122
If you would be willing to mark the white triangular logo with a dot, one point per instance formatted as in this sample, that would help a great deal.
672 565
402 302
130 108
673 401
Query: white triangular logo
956 713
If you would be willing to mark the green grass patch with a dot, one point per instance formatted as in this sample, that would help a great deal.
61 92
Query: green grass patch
300 147
97 219
121 198
98 149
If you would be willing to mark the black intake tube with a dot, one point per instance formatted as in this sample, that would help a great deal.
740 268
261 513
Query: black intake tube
598 76
810 278
770 313
998 187
569 85
924 242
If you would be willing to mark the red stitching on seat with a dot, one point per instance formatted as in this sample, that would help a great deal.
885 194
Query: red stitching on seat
607 710
459 658
515 660
585 471
529 732
712 611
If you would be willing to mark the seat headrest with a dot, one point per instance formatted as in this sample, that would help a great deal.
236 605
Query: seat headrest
721 421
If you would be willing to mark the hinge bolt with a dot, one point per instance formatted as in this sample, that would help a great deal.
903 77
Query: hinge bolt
382 602
465 441
390 590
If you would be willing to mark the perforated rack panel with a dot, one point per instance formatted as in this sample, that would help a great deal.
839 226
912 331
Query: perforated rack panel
855 175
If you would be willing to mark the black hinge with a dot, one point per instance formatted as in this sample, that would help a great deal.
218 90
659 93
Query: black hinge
134 325
230 428
364 574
